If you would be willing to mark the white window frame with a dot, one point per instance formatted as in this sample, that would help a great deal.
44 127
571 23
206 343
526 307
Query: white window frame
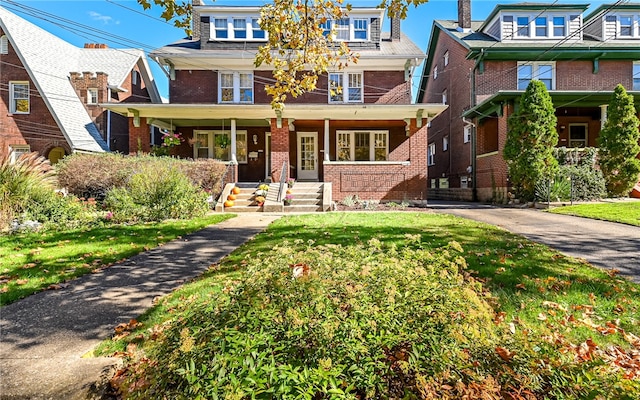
346 144
431 154
134 77
522 31
535 72
346 83
354 22
92 96
544 26
445 98
236 88
446 58
435 72
211 147
228 28
632 26
341 32
535 30
464 182
13 109
16 150
635 77
467 134
445 143
554 26
4 44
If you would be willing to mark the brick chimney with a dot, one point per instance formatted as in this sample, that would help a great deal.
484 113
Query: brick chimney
395 29
195 18
464 15
95 46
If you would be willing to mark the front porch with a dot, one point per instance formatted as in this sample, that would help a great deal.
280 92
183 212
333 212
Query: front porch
378 152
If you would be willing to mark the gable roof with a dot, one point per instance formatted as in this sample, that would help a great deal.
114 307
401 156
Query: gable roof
49 61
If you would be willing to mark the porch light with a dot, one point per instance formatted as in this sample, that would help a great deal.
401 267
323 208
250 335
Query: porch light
255 139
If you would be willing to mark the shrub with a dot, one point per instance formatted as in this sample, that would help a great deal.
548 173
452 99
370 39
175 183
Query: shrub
578 177
156 192
93 175
368 321
29 177
207 174
56 211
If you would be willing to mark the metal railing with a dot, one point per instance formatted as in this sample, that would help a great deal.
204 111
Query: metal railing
283 177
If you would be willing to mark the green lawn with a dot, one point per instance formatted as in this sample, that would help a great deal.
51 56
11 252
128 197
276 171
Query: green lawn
623 212
33 262
541 298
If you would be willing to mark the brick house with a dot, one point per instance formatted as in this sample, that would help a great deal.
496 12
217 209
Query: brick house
51 92
481 68
369 140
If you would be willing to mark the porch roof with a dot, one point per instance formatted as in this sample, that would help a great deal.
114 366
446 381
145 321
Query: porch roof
182 114
570 98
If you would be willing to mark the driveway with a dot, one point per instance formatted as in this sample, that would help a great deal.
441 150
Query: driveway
604 244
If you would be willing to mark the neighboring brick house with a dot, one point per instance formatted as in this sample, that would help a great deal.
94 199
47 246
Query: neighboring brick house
50 92
370 140
482 68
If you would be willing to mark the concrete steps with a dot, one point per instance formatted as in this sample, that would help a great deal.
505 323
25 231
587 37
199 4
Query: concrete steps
307 197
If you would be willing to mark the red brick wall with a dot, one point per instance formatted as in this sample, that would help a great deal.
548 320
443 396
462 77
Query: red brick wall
139 137
387 182
280 148
455 79
194 86
491 169
38 128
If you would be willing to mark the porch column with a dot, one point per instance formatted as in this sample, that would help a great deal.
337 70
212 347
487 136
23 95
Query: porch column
279 148
139 137
603 114
326 139
233 141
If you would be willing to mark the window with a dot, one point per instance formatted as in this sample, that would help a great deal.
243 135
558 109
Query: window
578 135
19 98
239 28
362 145
431 152
446 58
360 29
15 151
559 27
342 29
636 75
467 133
625 26
236 87
257 32
326 28
522 26
541 26
92 96
444 96
435 72
543 72
464 182
343 82
445 143
134 77
220 28
4 45
217 144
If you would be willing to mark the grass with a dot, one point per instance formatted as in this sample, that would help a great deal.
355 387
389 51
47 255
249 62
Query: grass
538 294
625 213
32 262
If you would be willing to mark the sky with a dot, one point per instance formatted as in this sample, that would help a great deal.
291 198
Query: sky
124 23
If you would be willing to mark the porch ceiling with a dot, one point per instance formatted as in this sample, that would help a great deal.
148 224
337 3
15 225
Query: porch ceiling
188 114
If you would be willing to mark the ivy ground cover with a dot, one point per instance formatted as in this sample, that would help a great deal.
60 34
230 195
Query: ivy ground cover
387 305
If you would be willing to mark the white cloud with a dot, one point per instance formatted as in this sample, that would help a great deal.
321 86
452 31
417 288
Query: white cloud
105 19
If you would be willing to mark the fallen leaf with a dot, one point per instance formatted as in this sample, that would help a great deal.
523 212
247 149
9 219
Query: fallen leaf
521 286
22 281
542 317
504 353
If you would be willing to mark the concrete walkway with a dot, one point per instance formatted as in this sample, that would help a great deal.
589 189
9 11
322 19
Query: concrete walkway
604 244
44 336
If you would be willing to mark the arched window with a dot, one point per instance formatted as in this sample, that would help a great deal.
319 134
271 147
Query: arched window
4 45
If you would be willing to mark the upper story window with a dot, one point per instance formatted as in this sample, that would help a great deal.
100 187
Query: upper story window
541 26
345 87
19 102
347 29
362 146
445 143
444 97
236 87
559 29
625 24
134 77
542 71
92 96
237 28
431 154
522 26
467 134
446 58
636 75
4 45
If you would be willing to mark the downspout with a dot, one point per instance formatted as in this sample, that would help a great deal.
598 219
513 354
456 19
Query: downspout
109 129
474 189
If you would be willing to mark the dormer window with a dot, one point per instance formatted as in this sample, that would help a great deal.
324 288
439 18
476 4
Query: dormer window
92 96
360 29
541 26
625 26
237 28
345 29
522 26
559 29
342 29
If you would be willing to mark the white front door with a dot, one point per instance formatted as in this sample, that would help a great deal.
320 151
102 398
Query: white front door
307 156
267 154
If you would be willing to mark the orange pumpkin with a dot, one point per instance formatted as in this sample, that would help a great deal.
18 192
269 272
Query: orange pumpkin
228 203
235 190
288 191
231 197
